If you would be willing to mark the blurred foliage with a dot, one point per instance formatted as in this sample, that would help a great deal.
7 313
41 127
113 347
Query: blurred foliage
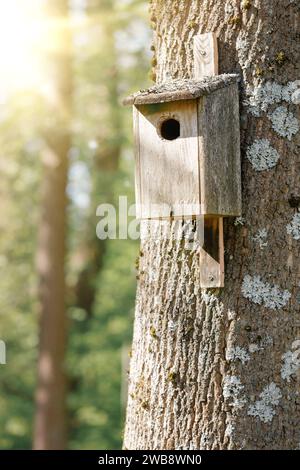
19 166
110 59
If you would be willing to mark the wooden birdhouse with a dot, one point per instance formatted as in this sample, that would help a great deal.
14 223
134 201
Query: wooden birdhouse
187 147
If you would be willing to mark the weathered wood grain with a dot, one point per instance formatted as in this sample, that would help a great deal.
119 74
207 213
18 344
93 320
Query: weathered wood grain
169 169
219 153
181 89
212 254
205 49
205 55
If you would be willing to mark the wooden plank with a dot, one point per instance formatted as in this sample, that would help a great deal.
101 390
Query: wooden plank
219 152
211 133
221 252
205 55
219 136
136 134
169 169
181 89
212 254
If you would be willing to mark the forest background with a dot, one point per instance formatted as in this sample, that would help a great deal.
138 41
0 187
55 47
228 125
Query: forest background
109 52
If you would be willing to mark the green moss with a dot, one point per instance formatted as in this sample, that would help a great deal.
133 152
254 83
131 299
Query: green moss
192 25
246 4
145 405
153 62
217 291
189 330
153 332
235 20
172 377
258 71
280 58
152 76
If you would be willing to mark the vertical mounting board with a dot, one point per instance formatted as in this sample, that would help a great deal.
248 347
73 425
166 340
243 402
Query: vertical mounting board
205 55
212 252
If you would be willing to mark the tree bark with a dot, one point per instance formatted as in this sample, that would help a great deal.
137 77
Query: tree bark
50 431
219 369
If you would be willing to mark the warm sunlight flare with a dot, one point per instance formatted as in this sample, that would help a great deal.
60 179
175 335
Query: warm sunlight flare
21 30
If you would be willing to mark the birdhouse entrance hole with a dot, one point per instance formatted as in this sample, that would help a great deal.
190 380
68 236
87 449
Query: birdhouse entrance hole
170 129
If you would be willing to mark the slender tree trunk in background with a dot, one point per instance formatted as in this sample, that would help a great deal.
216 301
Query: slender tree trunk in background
50 421
106 160
220 369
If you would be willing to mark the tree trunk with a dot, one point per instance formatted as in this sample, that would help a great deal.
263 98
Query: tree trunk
219 369
50 421
107 156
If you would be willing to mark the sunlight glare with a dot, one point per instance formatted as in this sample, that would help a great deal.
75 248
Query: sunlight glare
21 29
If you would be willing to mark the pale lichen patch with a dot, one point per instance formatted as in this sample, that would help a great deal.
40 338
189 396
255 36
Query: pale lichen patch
152 275
263 96
262 155
291 91
239 221
253 348
263 293
270 93
231 314
237 353
187 446
242 47
284 122
291 361
264 407
209 298
261 238
204 440
232 391
293 228
172 326
212 301
229 430
264 342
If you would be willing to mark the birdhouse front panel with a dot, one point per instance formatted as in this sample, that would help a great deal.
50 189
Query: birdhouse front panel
167 160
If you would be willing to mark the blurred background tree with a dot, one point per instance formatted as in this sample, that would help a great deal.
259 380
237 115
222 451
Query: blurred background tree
109 55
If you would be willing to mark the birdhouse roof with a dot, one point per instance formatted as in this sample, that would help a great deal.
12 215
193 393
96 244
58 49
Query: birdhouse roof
181 89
